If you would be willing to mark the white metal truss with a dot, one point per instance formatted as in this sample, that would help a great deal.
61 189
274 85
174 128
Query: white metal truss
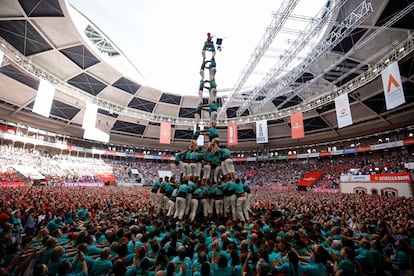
397 53
304 39
279 18
360 13
353 50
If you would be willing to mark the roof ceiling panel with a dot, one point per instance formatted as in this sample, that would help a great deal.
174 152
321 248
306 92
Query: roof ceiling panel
21 77
279 130
81 56
267 108
149 93
78 118
53 26
63 110
189 101
58 64
87 83
127 118
348 42
129 128
408 88
376 103
23 36
371 88
154 132
108 114
41 8
248 134
105 72
398 119
115 95
10 9
407 67
304 78
171 99
104 122
379 46
393 7
360 111
127 85
167 109
231 112
326 108
295 100
187 112
69 99
183 134
15 92
315 123
142 104
330 118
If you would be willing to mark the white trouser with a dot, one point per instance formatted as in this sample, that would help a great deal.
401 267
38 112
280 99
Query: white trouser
194 206
239 208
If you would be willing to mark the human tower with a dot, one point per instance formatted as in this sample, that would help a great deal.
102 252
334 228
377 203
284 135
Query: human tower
198 164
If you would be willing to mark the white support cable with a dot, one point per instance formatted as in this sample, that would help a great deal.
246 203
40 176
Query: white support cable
358 15
354 49
278 21
304 39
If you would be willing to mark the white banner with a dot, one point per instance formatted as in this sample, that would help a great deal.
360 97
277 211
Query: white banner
355 178
391 82
96 134
261 132
89 117
44 98
343 111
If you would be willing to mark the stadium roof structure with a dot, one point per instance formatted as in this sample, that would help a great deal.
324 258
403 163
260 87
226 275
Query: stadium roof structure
40 41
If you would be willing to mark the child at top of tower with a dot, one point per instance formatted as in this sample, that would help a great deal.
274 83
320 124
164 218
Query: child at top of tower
208 46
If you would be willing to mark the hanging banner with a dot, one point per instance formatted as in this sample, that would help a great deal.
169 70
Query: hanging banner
310 178
44 98
391 82
343 111
89 117
296 122
232 135
261 132
165 133
93 133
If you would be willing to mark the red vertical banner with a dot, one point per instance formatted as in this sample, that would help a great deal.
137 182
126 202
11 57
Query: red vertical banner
232 135
165 133
296 124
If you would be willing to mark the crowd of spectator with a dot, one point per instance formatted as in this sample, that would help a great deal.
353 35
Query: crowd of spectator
66 168
56 230
112 231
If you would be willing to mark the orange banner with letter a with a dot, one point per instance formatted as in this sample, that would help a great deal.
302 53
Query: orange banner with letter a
296 122
165 133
